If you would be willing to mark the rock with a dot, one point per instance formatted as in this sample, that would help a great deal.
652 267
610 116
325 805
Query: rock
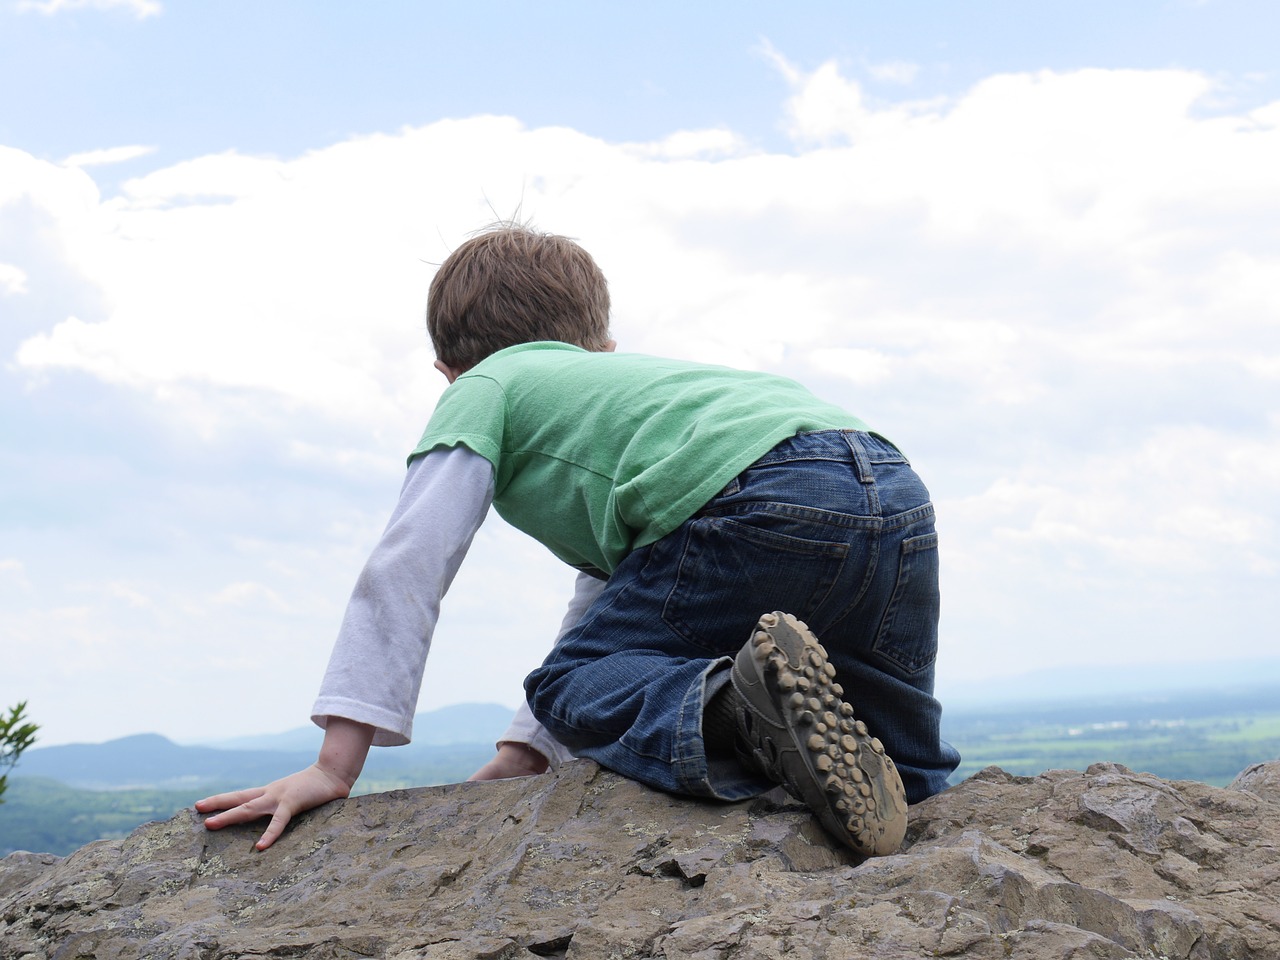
1262 779
582 863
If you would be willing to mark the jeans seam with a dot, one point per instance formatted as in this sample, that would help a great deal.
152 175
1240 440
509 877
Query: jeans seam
793 511
908 517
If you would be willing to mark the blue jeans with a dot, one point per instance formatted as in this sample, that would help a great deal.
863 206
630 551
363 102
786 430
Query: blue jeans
834 527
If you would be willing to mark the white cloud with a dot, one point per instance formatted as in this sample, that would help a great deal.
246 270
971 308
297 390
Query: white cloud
247 594
13 280
693 144
1156 505
15 572
129 593
1040 224
826 106
771 55
895 71
866 368
141 9
98 158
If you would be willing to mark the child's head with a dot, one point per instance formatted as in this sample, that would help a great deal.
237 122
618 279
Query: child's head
513 285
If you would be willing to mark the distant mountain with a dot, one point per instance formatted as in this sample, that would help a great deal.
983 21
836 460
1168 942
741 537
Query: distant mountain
150 761
445 741
460 723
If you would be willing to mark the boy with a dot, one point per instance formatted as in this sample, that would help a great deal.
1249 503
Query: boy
692 499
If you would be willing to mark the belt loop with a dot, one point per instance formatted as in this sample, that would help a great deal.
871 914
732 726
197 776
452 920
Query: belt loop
861 464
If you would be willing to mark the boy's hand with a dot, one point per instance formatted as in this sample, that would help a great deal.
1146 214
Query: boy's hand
513 760
280 801
346 744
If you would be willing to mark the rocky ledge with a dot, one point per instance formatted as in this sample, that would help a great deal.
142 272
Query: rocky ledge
1102 864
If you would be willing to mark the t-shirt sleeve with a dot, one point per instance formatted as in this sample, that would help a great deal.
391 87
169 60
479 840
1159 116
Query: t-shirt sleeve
471 413
375 670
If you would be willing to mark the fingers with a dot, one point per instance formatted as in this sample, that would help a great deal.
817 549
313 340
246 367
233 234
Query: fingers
254 809
241 814
240 807
225 801
279 821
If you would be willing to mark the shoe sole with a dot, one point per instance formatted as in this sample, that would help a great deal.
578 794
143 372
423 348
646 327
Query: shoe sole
804 736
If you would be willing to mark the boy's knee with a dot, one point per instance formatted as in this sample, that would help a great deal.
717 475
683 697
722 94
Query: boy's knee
544 690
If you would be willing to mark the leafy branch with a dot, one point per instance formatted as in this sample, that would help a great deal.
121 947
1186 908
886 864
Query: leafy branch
15 736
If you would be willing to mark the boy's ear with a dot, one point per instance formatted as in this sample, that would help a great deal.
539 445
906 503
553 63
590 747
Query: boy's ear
610 346
449 372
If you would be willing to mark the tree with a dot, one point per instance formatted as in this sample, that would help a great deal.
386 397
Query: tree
15 736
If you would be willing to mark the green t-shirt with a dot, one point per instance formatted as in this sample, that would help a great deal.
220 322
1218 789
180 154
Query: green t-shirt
597 454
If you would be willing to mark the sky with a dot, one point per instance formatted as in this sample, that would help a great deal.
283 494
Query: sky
1037 245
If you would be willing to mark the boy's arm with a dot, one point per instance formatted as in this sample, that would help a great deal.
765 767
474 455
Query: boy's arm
371 686
527 748
331 777
375 670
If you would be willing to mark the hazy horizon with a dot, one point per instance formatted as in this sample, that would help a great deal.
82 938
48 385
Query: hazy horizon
1046 688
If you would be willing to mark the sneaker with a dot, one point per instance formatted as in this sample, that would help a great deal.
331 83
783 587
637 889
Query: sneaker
794 728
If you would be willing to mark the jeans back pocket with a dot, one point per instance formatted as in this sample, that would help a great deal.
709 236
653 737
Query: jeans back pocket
908 634
730 572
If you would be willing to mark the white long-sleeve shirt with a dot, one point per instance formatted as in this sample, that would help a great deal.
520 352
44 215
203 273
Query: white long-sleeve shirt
376 668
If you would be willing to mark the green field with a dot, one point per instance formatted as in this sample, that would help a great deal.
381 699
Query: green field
45 816
1206 737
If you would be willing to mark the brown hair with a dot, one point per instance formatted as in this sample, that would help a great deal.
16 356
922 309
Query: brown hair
511 284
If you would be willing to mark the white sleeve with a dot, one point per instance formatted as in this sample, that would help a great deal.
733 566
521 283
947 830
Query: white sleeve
525 729
375 670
